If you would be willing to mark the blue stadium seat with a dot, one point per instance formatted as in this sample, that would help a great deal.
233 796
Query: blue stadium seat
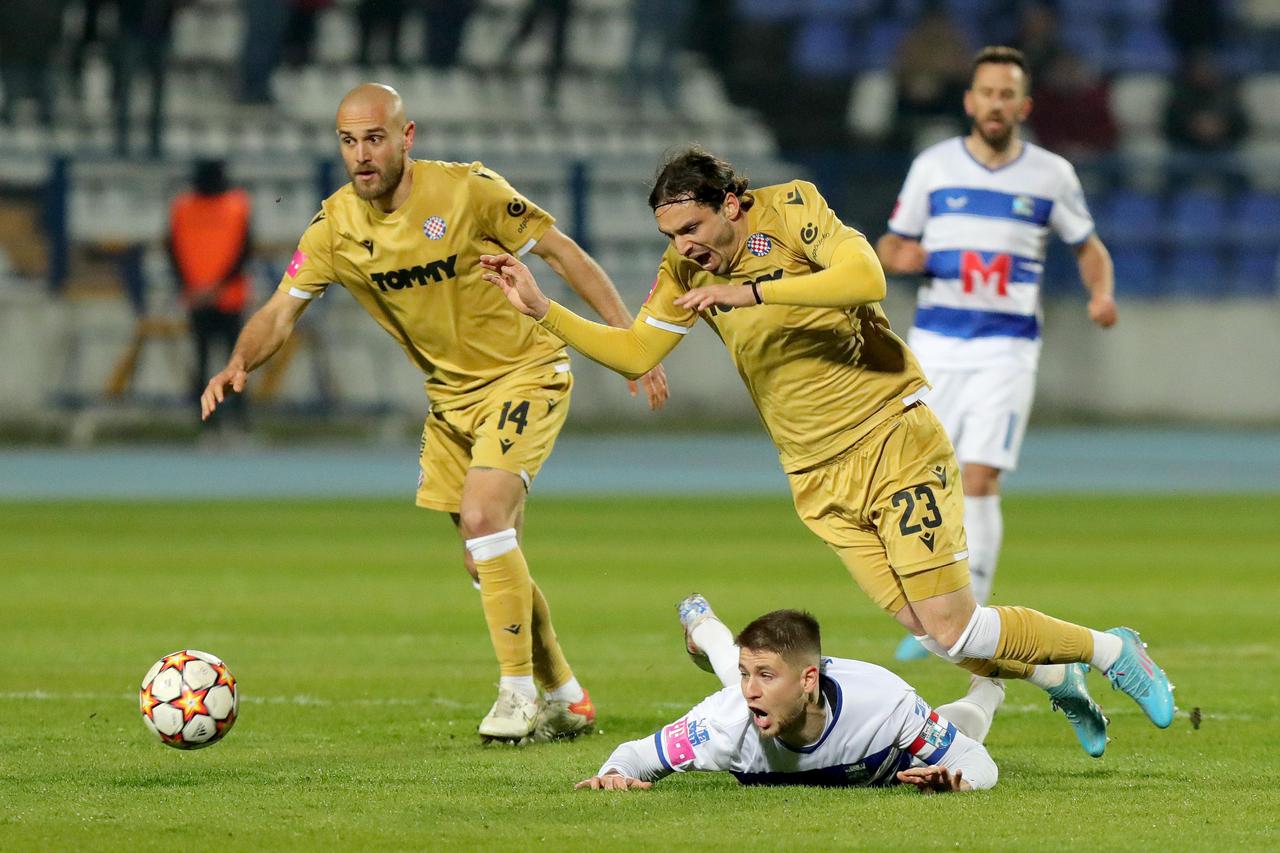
967 10
882 45
823 49
1137 273
1254 272
1197 218
1129 217
1254 220
1140 10
1144 47
1197 273
1089 40
835 10
766 11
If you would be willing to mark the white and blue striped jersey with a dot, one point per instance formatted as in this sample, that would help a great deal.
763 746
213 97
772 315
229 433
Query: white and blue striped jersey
986 232
876 726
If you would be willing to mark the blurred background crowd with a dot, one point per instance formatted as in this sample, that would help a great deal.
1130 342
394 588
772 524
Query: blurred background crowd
142 139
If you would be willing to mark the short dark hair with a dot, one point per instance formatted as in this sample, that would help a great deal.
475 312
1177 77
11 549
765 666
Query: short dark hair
794 634
695 174
998 54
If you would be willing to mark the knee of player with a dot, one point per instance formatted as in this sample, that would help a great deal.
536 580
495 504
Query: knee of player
946 631
481 519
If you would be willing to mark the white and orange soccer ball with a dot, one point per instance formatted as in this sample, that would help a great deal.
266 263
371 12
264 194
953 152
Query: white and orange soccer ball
189 699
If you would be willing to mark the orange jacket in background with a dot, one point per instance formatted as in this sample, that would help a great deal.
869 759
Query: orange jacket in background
208 234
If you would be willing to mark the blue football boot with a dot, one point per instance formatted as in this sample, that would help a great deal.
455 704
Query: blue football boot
1072 698
910 649
1136 674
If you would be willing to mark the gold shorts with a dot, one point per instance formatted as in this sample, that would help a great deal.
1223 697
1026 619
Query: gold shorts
513 428
892 507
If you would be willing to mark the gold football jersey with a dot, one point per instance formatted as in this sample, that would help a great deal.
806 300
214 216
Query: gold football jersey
417 271
821 378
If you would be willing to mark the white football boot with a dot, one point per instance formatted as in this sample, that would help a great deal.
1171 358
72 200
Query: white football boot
512 717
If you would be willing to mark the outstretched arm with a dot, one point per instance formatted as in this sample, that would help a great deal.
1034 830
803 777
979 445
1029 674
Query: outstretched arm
632 352
266 331
590 281
854 278
634 764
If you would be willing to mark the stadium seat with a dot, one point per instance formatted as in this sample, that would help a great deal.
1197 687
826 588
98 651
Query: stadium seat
1197 218
1254 272
1144 47
1261 94
871 104
1140 10
822 49
1137 273
1254 220
881 46
1087 38
1129 217
1138 101
766 11
1197 273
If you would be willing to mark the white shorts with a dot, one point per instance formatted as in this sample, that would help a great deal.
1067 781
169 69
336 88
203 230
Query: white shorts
984 411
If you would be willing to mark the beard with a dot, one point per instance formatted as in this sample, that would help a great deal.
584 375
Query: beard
784 722
998 140
387 181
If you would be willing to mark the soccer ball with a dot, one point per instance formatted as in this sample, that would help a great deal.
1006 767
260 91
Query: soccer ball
189 699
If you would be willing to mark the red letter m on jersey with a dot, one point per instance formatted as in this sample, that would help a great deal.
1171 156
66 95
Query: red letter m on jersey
979 275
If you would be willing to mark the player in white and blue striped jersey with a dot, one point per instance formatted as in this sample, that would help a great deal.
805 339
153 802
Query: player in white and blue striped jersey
788 716
975 216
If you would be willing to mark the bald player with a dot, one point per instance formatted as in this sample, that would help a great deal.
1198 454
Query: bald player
404 237
793 293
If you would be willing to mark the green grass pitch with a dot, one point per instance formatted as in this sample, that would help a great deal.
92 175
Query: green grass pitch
364 667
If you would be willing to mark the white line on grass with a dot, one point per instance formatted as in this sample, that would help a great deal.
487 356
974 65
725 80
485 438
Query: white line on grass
303 699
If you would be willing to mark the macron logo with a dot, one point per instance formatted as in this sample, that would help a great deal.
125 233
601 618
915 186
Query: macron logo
957 202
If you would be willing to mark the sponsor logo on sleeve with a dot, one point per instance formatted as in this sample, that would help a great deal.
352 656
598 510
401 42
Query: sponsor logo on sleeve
676 743
516 207
295 265
698 732
809 233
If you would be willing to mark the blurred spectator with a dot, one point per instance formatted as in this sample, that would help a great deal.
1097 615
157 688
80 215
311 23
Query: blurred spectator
446 22
1072 108
29 33
657 33
143 32
1204 113
264 26
209 243
1195 25
380 19
932 70
557 13
1037 37
300 30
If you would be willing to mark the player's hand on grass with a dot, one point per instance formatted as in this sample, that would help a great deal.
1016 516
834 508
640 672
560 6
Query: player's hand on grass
517 283
612 782
655 387
233 376
719 295
1102 310
934 780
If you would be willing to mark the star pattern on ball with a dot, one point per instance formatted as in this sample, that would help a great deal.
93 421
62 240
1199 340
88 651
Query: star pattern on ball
224 676
147 702
177 660
190 703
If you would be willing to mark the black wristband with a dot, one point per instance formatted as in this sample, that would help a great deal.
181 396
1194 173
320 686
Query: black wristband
755 291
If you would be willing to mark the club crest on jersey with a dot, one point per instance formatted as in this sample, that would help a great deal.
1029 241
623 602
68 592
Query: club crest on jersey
433 228
759 244
1023 205
698 732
